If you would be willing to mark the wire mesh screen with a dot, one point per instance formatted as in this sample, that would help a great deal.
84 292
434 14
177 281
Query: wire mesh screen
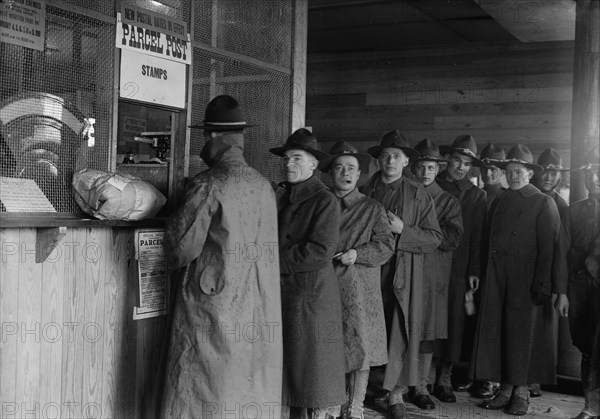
45 97
264 96
257 28
176 9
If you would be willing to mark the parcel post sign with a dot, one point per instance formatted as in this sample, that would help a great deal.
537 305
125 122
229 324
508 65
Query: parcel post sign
149 33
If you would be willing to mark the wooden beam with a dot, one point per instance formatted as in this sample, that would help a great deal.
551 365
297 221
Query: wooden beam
299 53
585 131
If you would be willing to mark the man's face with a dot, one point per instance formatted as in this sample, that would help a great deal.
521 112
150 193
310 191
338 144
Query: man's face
492 175
592 180
345 173
299 165
547 180
517 175
426 171
392 161
459 165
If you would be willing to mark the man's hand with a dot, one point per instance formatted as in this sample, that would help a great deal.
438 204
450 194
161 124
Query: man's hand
347 258
396 222
562 305
474 282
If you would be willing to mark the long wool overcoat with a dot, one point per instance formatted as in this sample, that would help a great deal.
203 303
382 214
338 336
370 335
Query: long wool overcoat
438 264
403 274
313 369
365 228
225 353
514 336
466 261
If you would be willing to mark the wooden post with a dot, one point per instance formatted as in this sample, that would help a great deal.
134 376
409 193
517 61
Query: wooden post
585 130
299 46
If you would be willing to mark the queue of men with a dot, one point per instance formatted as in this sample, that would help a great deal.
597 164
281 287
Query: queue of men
350 288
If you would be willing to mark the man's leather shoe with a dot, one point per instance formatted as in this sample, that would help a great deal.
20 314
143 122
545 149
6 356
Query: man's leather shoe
496 403
518 406
464 386
398 411
379 401
423 401
444 394
535 390
488 389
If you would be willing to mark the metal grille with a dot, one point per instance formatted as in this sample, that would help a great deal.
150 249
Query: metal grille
261 29
264 96
176 9
45 96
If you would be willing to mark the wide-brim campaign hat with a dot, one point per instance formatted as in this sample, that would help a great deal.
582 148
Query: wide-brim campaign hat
492 154
301 139
592 159
394 139
550 160
344 148
429 151
465 145
522 155
223 113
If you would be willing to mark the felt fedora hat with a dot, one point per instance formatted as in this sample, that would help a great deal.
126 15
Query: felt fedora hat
344 148
520 154
492 154
301 139
465 145
429 151
549 159
394 139
223 113
592 159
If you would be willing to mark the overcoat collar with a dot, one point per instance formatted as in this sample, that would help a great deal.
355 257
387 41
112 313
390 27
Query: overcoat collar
392 185
302 191
528 190
223 148
462 184
493 188
434 189
352 198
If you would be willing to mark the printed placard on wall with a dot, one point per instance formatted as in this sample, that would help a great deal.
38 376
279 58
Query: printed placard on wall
153 34
152 274
150 79
23 23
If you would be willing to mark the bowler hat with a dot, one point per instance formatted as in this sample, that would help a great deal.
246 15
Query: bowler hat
344 148
429 151
465 145
520 154
549 159
394 139
301 139
492 154
223 113
592 159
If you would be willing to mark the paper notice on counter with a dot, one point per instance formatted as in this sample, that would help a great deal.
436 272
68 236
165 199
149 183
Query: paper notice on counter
152 274
23 195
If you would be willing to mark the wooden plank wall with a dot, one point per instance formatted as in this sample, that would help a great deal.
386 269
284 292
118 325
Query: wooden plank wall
68 345
497 93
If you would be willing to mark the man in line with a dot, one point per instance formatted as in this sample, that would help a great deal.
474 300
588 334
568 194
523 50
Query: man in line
366 242
549 178
513 342
466 263
211 369
411 213
309 222
577 285
436 272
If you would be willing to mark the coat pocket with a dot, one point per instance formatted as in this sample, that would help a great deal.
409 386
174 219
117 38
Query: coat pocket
209 272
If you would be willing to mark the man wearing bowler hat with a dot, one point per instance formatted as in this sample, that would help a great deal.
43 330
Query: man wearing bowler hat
466 260
513 343
366 242
437 265
548 179
411 213
213 369
309 222
577 284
